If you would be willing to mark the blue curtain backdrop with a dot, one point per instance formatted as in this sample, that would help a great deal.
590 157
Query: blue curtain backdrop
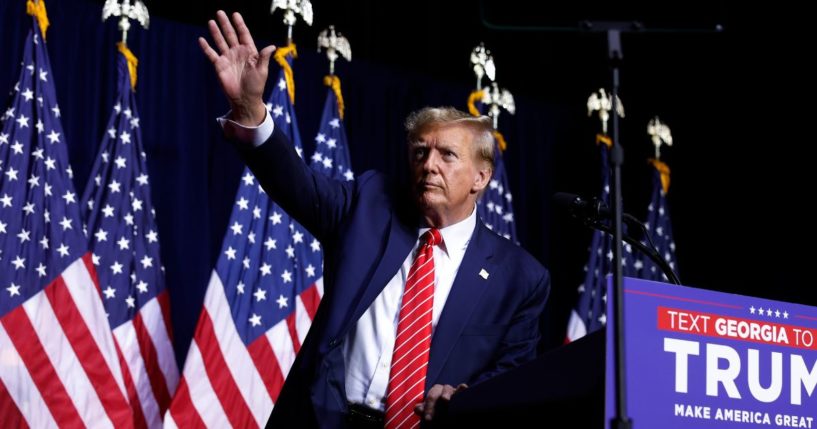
194 172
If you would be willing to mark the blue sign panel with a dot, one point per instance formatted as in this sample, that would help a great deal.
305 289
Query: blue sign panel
704 359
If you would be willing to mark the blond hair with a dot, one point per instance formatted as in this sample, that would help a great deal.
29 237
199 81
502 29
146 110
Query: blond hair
482 127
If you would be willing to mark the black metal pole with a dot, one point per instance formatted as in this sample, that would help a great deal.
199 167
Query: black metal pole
620 419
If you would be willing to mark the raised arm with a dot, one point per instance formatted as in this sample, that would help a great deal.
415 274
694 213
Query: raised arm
313 199
241 69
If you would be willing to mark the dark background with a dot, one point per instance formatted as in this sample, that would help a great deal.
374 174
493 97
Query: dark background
739 103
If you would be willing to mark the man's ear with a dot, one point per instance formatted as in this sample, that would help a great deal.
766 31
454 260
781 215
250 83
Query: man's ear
482 178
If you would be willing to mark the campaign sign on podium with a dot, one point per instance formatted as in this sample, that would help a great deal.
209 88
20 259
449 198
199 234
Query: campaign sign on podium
704 359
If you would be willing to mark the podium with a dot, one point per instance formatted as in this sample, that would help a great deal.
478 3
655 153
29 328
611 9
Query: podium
694 358
566 382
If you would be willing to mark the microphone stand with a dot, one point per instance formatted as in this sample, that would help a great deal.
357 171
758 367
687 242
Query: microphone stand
649 251
620 419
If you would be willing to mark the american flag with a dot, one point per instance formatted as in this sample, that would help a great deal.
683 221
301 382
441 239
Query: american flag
495 208
124 239
58 358
590 313
331 155
261 300
658 226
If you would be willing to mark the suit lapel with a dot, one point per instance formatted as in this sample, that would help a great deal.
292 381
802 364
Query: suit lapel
398 245
465 294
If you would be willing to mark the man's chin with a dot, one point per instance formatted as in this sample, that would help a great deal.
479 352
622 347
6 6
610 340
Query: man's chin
427 201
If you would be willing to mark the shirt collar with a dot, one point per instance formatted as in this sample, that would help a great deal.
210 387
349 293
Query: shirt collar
456 236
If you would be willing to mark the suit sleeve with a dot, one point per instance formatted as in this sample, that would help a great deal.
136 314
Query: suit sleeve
522 337
318 202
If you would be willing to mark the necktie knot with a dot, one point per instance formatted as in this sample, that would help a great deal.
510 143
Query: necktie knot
432 237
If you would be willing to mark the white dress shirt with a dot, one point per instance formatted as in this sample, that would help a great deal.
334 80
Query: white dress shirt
368 348
254 135
369 345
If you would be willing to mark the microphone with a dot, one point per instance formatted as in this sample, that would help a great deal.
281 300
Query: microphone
593 211
581 208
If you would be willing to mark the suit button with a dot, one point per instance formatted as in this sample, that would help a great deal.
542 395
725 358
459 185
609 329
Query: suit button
334 342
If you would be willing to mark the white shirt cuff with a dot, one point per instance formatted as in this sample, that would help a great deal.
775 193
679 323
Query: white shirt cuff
254 135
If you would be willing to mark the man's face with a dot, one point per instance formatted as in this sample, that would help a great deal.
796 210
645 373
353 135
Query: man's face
446 173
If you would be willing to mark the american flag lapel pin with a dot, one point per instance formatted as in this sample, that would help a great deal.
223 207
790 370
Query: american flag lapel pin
483 274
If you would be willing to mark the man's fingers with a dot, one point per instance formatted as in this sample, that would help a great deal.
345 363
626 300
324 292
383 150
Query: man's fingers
227 29
431 400
208 51
447 392
264 56
218 39
244 35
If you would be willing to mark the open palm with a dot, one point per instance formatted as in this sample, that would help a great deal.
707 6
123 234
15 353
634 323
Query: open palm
241 69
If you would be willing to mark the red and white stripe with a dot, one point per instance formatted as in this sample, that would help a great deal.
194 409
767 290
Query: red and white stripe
150 370
413 340
224 383
575 327
58 359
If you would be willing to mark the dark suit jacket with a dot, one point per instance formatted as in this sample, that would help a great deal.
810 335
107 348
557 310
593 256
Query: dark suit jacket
488 325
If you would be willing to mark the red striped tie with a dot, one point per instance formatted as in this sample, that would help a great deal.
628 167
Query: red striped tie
410 360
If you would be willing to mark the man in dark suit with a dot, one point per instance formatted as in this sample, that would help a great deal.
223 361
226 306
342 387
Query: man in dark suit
420 296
